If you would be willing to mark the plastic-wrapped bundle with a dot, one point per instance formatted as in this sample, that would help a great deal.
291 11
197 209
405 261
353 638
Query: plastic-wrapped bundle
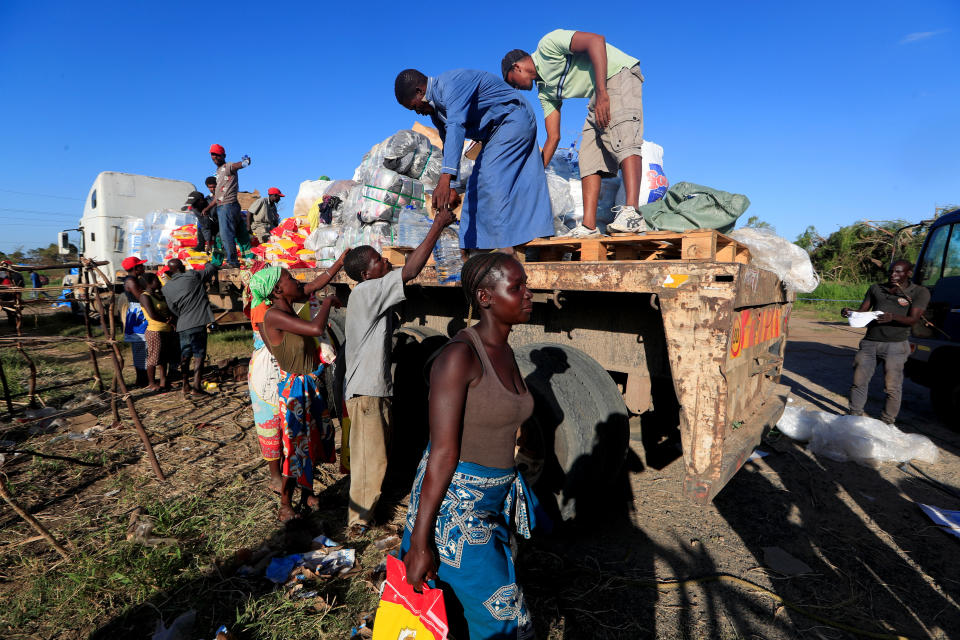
385 193
412 227
564 164
787 260
372 160
858 438
411 154
323 236
134 236
561 203
446 255
310 191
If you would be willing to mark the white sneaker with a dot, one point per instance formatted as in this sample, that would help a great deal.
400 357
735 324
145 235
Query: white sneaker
627 220
581 231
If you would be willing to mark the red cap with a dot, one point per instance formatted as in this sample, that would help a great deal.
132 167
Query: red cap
217 149
131 262
273 191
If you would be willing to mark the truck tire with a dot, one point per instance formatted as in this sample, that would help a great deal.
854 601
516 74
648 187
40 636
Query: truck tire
573 448
333 376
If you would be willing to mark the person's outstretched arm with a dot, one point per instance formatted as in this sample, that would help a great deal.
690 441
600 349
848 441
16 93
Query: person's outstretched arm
324 278
294 324
418 258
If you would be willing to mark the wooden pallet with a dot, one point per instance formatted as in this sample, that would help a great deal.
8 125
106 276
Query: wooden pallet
702 245
398 255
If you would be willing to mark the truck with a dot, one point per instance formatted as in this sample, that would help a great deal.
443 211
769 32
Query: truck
677 328
935 344
114 197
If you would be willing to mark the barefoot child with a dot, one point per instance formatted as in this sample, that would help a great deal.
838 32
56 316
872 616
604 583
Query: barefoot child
160 337
291 341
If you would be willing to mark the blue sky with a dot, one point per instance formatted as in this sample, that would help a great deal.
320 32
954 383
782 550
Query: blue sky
822 113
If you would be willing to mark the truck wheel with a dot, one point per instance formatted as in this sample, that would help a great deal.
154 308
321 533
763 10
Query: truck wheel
945 398
333 376
573 448
411 427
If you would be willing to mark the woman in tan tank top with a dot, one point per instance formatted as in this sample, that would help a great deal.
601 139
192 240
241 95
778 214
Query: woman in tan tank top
306 438
467 488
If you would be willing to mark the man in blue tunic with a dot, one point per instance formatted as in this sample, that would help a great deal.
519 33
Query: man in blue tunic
506 200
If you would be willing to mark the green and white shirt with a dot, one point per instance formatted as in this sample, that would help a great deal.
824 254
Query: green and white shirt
565 74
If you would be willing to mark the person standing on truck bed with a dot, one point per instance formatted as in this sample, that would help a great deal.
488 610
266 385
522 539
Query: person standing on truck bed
207 226
187 299
225 198
506 201
262 216
902 305
578 64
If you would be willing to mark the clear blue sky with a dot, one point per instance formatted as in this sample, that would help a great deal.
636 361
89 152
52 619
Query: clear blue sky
822 113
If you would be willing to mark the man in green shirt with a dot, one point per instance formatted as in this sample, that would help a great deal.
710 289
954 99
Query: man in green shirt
578 64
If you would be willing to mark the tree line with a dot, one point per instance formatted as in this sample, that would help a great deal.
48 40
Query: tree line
861 252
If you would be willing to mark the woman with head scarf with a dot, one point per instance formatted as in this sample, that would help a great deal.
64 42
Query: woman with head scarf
284 382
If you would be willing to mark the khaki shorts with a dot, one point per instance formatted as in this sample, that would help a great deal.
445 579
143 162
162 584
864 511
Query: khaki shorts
602 150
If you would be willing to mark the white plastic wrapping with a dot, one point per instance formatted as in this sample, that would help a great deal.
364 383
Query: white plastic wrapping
412 228
411 154
561 202
770 251
310 191
386 192
324 235
858 438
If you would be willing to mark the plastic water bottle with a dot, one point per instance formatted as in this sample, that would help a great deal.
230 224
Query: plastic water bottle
446 254
412 227
245 161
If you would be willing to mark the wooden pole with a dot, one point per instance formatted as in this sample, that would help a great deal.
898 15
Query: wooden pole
117 367
6 389
33 522
33 368
85 275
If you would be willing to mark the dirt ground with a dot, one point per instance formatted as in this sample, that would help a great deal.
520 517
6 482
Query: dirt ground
875 563
654 566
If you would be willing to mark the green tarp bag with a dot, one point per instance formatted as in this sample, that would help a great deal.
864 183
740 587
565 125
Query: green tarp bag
689 206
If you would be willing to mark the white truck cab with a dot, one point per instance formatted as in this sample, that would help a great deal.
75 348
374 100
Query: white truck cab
116 196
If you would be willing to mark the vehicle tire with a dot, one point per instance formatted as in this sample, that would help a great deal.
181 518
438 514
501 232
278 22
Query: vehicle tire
945 398
333 376
573 448
412 350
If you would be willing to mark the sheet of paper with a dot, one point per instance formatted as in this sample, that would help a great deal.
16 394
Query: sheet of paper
863 318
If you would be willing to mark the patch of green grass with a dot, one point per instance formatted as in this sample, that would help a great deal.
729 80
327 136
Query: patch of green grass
229 343
834 296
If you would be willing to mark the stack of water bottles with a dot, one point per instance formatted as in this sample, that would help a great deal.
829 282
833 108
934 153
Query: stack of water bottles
412 228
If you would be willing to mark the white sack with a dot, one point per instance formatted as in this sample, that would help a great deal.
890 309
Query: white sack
653 182
310 191
858 438
770 251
